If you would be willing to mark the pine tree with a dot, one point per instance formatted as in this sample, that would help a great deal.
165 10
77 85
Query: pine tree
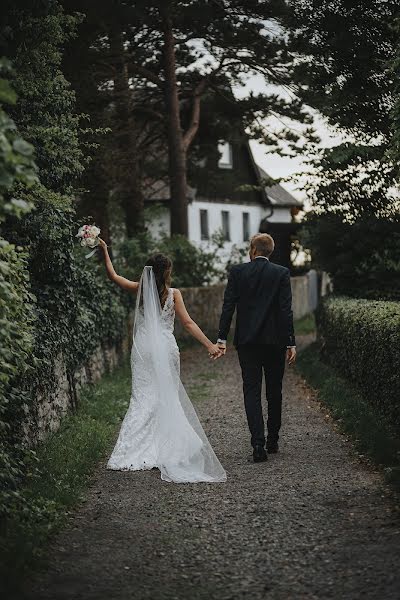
187 49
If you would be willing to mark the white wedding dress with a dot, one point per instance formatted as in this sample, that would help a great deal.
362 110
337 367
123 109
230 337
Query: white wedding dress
161 428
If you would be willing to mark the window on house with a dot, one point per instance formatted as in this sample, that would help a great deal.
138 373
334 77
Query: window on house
204 233
225 160
226 225
246 226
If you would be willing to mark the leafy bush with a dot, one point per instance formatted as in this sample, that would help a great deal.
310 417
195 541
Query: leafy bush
361 338
74 300
33 36
363 257
17 317
192 265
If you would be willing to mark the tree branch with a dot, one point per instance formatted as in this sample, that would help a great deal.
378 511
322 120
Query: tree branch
198 91
195 117
135 69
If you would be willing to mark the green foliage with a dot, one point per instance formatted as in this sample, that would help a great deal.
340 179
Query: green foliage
32 36
361 339
16 154
52 301
74 300
344 68
371 433
355 180
58 474
362 257
17 317
64 306
343 52
192 266
394 149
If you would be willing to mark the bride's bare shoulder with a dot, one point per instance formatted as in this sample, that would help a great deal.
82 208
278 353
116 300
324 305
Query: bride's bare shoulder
176 293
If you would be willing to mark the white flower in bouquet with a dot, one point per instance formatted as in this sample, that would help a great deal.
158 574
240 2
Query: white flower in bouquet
89 237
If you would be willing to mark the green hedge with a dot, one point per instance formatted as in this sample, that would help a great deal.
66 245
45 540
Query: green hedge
362 257
361 338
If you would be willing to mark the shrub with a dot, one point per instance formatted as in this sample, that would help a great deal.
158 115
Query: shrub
192 265
362 257
361 338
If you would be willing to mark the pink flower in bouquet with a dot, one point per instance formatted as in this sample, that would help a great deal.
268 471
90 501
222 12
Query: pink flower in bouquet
89 237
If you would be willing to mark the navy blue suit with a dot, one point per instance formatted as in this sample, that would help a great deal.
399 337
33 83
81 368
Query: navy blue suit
260 292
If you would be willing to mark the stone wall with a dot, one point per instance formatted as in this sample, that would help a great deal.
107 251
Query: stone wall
204 306
46 412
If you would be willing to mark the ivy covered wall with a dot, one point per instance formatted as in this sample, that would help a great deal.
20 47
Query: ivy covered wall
53 302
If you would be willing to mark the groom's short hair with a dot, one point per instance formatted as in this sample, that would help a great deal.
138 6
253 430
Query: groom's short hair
263 244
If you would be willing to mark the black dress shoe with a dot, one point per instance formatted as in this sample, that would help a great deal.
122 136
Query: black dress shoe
259 454
272 448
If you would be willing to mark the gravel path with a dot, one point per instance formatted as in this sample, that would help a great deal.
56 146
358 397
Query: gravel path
314 522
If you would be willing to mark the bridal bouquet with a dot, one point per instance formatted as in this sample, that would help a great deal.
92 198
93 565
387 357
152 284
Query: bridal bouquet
89 236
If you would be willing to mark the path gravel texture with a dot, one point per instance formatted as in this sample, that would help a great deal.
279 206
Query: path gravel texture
314 522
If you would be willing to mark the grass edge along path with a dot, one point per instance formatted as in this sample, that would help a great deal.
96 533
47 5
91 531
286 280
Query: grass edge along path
306 325
64 463
371 435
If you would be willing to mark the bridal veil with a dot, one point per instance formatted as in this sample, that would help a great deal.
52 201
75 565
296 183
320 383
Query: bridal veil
170 432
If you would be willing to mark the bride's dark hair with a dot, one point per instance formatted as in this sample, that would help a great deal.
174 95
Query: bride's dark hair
162 268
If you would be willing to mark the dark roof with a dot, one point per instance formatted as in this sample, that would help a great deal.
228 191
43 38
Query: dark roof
159 191
156 190
277 195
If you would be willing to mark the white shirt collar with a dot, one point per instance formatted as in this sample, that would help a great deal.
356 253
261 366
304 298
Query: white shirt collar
266 257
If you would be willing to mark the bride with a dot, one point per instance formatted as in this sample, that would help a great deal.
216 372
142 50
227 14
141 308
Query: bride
161 428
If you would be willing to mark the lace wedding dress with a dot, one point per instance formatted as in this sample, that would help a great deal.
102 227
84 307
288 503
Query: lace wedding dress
161 428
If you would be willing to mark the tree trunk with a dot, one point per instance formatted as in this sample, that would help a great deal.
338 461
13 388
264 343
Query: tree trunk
132 202
128 181
176 147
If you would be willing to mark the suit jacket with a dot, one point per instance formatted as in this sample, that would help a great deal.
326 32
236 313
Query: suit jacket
260 292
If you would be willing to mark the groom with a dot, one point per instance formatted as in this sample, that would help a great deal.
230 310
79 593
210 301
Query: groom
261 294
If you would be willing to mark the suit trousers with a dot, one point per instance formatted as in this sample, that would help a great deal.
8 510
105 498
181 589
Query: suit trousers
254 359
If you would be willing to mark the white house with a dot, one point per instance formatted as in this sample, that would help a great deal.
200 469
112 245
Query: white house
227 195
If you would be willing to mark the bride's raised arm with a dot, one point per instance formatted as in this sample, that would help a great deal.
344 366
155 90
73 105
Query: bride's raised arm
126 284
192 327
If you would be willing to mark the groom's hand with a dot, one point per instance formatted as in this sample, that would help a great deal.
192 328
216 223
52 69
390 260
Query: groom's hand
222 347
291 355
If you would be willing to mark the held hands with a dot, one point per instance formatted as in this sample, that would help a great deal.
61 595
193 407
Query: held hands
215 352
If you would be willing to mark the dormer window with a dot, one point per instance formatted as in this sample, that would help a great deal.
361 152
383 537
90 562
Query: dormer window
225 151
